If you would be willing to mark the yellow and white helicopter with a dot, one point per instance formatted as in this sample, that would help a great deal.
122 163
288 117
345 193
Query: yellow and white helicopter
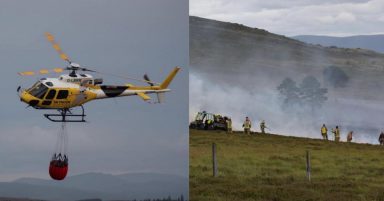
75 89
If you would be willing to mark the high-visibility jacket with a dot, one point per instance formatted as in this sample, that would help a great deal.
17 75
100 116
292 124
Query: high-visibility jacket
324 130
247 124
337 132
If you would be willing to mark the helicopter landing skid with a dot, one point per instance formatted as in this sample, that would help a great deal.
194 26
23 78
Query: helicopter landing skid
64 114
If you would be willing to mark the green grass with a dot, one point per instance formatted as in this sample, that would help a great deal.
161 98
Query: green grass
272 168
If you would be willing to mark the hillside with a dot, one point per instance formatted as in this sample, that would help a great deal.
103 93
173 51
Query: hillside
98 185
370 42
272 167
227 51
235 70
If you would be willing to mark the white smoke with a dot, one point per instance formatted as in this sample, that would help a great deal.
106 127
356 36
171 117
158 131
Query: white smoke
264 103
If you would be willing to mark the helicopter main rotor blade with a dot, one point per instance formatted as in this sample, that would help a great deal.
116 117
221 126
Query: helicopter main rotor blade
53 70
80 68
41 72
26 73
127 77
58 70
57 47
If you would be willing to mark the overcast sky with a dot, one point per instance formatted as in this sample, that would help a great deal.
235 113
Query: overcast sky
121 37
298 17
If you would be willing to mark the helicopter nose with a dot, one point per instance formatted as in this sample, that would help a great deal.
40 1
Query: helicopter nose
22 97
28 99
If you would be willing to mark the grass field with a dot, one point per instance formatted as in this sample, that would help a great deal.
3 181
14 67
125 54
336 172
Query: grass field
272 168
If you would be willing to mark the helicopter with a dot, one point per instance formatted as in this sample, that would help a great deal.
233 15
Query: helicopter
77 88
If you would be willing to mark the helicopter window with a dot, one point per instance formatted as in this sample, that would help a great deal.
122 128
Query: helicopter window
34 85
51 94
83 75
39 91
49 84
63 94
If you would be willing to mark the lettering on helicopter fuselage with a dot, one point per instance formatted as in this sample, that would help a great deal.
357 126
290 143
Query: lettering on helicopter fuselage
74 80
61 102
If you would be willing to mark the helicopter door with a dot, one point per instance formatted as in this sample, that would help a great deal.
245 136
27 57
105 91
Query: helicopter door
48 98
62 99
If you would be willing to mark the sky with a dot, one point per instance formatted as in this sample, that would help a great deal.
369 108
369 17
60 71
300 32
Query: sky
123 135
298 17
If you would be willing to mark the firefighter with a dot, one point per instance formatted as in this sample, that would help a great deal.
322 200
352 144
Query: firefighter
206 124
247 126
262 127
381 138
349 136
324 132
229 125
336 132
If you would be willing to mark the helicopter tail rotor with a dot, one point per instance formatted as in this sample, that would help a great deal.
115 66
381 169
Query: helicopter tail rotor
146 78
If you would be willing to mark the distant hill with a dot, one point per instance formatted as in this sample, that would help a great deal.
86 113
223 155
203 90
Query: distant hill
371 42
98 185
226 51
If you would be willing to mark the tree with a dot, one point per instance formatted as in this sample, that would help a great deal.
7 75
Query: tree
290 92
311 93
308 94
335 76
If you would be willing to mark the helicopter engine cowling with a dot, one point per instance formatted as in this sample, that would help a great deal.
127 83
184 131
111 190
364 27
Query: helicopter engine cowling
76 78
98 81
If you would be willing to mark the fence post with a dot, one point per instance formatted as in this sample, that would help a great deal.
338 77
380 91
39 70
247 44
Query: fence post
308 166
214 160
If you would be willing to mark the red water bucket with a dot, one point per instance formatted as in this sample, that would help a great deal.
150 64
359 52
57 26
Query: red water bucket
58 169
